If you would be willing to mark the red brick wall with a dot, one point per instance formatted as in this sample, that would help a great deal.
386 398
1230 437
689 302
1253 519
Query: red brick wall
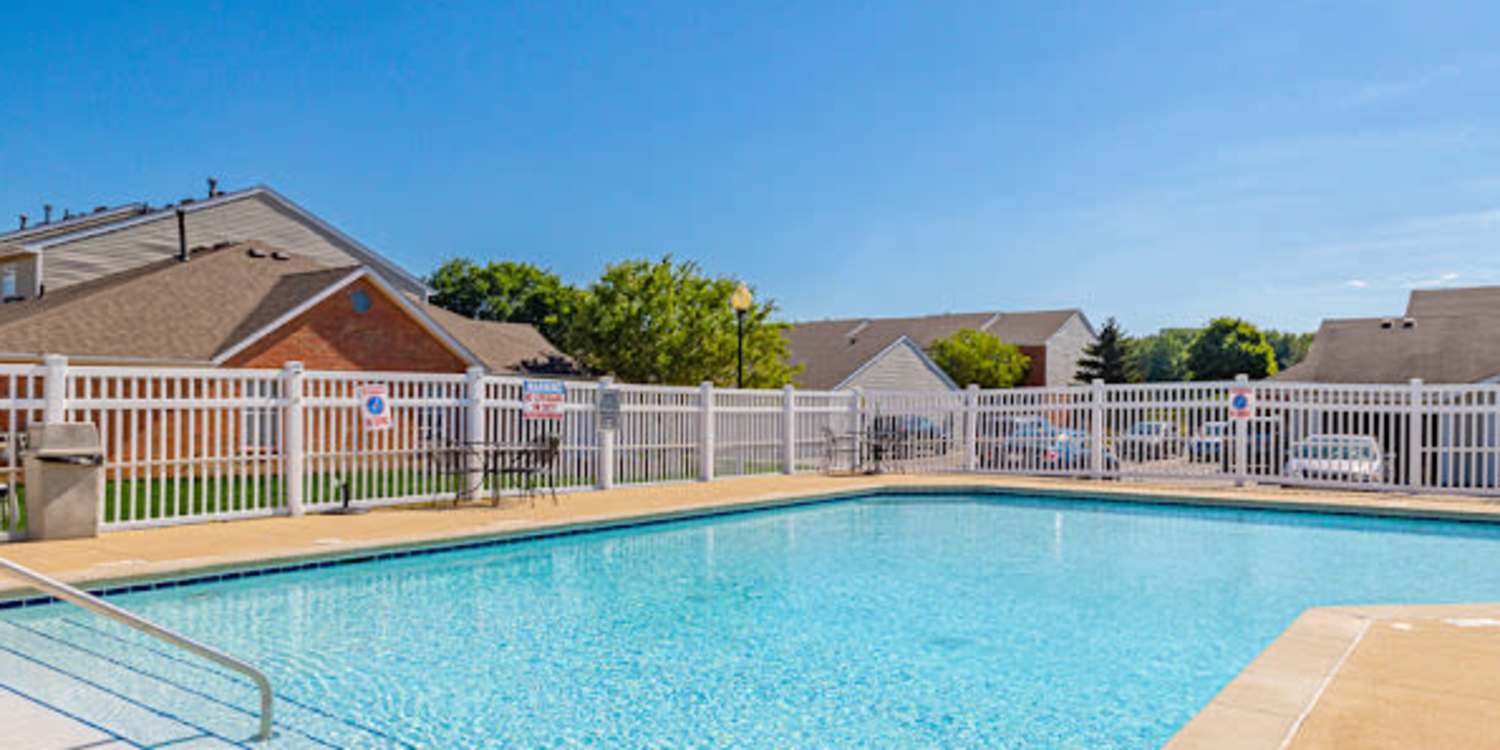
1037 375
332 336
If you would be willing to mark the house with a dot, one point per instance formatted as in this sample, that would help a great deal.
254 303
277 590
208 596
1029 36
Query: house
252 305
1445 336
890 353
53 255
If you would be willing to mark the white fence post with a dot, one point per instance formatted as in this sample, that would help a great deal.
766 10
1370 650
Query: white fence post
293 394
706 432
55 389
1096 429
856 412
1414 426
606 478
971 428
788 429
473 434
1241 438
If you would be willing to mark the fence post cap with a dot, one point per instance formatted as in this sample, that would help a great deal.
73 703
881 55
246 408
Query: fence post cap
1097 381
1416 381
55 359
1242 378
292 366
972 387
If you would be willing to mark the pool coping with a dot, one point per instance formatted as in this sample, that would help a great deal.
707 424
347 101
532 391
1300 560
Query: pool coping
1264 706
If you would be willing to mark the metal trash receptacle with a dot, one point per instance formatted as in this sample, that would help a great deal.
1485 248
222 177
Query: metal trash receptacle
64 470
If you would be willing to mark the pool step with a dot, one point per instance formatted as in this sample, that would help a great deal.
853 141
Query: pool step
128 685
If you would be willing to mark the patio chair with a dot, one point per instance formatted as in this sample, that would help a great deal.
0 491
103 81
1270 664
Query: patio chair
840 449
534 464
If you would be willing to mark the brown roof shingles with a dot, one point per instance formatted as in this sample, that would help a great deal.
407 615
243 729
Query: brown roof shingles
829 354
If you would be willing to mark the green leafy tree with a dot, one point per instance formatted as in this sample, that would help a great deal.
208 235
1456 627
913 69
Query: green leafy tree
667 322
970 356
1162 356
1227 347
506 291
1290 348
1109 357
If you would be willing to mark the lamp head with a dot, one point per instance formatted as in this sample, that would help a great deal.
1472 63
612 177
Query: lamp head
741 299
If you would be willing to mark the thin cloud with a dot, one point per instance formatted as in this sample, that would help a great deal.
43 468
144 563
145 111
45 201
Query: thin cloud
1357 283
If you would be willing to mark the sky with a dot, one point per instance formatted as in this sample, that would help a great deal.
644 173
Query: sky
1163 163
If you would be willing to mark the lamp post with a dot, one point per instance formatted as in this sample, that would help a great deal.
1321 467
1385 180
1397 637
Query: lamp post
741 301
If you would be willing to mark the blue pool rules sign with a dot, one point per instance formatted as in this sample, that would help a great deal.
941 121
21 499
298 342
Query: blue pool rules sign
1241 403
374 406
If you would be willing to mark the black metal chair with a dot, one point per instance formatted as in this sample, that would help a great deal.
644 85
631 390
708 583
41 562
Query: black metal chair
535 464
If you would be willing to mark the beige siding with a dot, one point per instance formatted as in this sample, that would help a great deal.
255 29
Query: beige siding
899 368
1065 349
25 268
253 217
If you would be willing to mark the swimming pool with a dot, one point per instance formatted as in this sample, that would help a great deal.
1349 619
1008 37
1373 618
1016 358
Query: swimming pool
897 620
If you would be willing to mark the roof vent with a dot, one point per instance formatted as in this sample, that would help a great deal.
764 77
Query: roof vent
256 252
1387 323
278 255
100 209
46 213
213 187
221 244
1408 322
23 221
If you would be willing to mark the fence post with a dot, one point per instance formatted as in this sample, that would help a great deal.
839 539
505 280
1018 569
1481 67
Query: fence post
788 429
292 438
55 389
1414 435
971 428
1241 438
706 432
473 433
1096 429
856 412
606 478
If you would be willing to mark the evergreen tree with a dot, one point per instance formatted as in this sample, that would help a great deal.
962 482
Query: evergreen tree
1109 357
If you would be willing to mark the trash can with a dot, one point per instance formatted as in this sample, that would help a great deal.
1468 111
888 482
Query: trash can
64 467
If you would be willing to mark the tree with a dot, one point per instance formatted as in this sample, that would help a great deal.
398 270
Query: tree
1290 348
506 291
970 356
1162 356
1227 347
1109 357
667 322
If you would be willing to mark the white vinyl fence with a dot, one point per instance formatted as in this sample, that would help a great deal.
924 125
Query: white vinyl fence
187 445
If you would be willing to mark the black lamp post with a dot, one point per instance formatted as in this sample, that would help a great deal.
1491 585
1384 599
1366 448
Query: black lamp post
741 301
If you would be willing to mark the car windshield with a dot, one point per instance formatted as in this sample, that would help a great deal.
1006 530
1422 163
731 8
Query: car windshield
1214 429
1336 451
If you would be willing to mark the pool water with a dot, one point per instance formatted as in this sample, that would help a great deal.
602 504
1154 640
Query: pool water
888 621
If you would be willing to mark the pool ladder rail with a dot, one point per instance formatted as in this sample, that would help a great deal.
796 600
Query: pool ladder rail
103 608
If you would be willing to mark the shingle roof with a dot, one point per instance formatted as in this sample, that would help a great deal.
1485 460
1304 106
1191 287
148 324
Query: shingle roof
167 310
1474 300
831 350
1435 348
502 347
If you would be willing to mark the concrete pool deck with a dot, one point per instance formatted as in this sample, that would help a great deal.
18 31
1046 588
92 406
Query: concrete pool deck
1403 676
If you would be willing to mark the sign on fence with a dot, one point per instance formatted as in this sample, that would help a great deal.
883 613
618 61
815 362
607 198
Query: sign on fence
543 399
1241 403
609 409
374 406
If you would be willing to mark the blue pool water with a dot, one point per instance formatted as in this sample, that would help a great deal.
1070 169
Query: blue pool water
892 621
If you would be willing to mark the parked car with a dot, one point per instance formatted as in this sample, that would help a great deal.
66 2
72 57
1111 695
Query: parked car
901 436
1150 440
1347 458
1047 447
1265 450
1208 444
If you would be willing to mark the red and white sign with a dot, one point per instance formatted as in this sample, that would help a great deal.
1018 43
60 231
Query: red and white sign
1241 403
374 406
543 399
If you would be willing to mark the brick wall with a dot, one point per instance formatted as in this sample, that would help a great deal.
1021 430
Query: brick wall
334 336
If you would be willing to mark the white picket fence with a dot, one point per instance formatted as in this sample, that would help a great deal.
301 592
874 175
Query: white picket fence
188 445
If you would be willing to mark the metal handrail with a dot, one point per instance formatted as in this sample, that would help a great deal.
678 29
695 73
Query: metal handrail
103 608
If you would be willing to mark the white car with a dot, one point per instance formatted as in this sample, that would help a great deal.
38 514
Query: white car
1348 458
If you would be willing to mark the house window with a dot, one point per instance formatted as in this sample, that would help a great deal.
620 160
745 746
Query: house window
361 301
260 427
8 284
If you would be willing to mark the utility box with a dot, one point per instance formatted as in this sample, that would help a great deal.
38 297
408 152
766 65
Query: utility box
64 466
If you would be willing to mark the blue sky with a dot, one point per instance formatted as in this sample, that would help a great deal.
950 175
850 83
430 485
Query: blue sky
1162 163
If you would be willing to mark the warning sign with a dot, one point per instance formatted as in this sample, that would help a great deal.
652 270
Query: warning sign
543 399
374 406
1241 403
